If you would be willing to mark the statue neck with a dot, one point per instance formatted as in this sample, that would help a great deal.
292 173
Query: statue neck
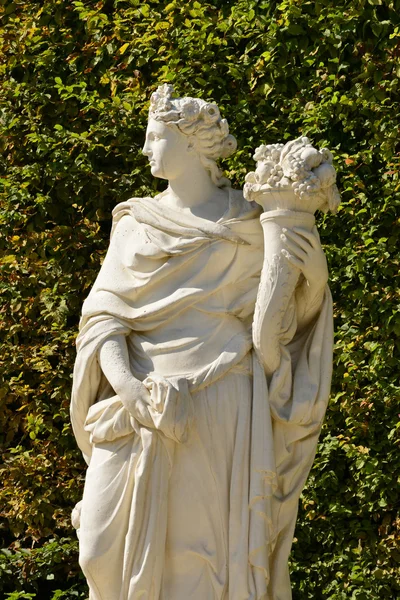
192 188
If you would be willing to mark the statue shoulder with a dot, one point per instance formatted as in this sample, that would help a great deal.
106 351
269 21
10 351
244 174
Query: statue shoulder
242 207
128 205
128 208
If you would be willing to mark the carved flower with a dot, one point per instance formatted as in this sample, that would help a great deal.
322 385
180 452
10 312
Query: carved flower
224 127
165 90
159 103
210 112
154 98
164 105
190 109
160 99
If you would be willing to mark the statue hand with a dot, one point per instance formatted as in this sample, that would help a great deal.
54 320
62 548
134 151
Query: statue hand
305 252
140 391
136 399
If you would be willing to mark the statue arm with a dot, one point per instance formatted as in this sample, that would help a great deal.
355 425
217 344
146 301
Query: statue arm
277 318
113 357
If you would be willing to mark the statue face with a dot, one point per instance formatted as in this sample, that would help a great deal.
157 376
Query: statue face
167 150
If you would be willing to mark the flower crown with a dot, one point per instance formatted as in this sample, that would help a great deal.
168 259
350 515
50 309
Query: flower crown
194 116
166 108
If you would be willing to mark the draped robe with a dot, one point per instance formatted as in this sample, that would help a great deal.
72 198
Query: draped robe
182 290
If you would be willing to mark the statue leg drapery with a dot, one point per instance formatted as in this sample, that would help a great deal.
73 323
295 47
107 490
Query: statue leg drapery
105 515
208 498
207 505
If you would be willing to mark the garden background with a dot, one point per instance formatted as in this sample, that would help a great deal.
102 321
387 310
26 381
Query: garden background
76 78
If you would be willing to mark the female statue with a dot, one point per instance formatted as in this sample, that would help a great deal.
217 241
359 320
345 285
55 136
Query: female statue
196 454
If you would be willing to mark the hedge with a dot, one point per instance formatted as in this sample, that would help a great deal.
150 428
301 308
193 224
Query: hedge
76 80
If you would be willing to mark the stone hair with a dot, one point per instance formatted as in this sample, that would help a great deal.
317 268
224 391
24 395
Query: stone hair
200 121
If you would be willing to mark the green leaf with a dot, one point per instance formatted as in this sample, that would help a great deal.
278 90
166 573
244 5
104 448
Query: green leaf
295 29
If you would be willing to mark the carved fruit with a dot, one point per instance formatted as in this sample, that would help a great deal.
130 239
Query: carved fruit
251 177
326 174
311 157
263 171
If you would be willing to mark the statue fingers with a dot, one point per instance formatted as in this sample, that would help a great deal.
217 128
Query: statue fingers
310 236
143 416
295 248
316 234
293 260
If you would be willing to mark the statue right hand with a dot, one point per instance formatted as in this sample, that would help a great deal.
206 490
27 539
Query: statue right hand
114 362
136 399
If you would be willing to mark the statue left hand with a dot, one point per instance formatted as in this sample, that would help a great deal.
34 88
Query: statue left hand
305 252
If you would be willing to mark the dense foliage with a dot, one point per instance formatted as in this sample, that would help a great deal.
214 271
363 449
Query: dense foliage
76 79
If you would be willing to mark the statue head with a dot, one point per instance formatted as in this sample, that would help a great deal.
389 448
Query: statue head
179 127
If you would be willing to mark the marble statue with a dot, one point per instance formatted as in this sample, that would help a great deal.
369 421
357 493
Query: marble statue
203 368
